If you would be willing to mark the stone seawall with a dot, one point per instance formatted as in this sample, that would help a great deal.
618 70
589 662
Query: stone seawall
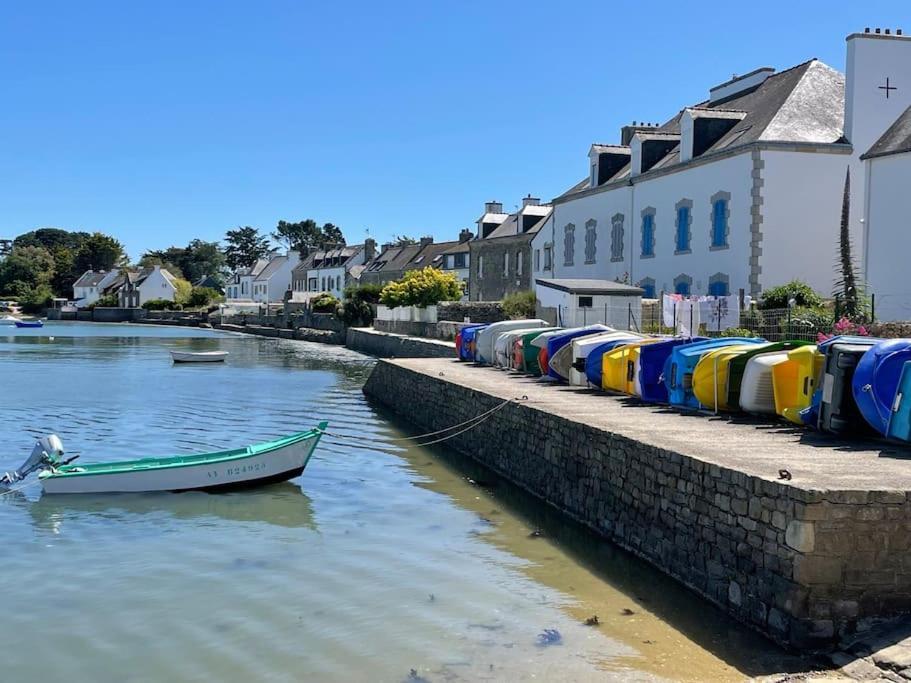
390 345
807 561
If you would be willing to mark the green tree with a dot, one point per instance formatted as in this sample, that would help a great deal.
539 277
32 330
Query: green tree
65 273
306 236
184 289
245 246
780 296
193 262
100 252
26 267
403 241
421 287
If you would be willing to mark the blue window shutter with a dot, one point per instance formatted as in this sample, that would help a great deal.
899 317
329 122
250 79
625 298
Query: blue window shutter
682 288
718 215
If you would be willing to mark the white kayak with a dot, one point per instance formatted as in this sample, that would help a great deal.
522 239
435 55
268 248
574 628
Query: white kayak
198 356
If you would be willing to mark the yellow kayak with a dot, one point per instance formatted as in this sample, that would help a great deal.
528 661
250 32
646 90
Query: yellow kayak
795 380
710 376
619 365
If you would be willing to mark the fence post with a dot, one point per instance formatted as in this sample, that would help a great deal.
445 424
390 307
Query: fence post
873 308
691 319
584 316
605 314
789 321
629 316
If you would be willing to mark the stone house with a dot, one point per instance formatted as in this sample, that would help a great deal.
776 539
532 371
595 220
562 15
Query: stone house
500 255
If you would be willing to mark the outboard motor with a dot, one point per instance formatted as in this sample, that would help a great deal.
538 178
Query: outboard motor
47 452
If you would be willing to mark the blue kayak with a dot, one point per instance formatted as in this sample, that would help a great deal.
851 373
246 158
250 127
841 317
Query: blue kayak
466 336
469 336
876 380
593 363
29 323
558 341
900 418
651 367
679 366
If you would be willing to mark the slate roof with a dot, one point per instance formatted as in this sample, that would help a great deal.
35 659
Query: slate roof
590 286
805 103
394 258
334 257
511 225
895 140
273 267
458 247
91 278
431 255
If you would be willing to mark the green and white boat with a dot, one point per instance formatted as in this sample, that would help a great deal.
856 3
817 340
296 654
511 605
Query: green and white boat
256 465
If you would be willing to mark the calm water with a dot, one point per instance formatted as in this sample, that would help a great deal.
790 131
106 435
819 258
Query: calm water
381 563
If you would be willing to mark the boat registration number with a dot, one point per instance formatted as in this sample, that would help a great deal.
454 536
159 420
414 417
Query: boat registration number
239 470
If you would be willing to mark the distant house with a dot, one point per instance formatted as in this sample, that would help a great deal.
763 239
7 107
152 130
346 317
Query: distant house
133 288
91 286
457 259
501 255
211 282
240 286
584 302
273 282
6 246
393 262
330 270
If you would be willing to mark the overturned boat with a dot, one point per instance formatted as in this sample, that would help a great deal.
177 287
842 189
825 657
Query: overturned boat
256 465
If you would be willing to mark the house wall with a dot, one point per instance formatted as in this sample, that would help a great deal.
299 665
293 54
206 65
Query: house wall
496 280
801 211
156 286
888 234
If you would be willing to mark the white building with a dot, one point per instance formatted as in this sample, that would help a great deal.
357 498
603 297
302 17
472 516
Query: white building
240 285
274 281
740 191
887 221
135 287
330 270
573 303
91 285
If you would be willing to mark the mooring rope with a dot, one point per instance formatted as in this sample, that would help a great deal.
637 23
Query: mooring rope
471 424
6 492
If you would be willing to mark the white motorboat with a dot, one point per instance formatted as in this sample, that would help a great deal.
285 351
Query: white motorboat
199 356
255 465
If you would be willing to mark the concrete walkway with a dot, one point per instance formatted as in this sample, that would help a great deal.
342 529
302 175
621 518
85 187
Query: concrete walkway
756 447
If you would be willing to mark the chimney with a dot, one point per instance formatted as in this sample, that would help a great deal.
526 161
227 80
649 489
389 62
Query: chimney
425 241
369 249
493 207
465 235
530 201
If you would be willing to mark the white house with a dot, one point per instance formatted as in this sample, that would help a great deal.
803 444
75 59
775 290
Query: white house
274 281
887 221
91 285
240 285
740 191
136 287
330 270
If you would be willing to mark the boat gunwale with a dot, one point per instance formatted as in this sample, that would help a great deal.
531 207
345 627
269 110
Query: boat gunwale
189 460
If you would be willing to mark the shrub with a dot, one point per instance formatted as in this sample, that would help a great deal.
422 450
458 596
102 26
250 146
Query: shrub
36 299
808 322
801 292
844 326
737 332
108 301
183 291
425 287
160 305
369 293
201 297
355 313
520 305
324 303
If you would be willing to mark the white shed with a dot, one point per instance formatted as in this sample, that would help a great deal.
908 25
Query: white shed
573 303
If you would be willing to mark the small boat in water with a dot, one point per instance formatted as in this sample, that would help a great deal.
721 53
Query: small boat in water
29 323
199 356
264 463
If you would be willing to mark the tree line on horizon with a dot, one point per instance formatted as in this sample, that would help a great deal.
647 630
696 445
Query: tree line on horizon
44 263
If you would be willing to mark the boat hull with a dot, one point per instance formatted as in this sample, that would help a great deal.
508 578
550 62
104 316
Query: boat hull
243 471
199 357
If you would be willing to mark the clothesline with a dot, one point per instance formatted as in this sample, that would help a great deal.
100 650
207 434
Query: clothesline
687 313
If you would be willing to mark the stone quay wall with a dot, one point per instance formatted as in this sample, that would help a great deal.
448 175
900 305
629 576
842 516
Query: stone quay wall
389 345
805 567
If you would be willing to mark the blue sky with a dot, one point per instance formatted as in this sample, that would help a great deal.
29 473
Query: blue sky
175 120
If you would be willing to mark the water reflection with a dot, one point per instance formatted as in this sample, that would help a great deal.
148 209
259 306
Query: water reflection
282 505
